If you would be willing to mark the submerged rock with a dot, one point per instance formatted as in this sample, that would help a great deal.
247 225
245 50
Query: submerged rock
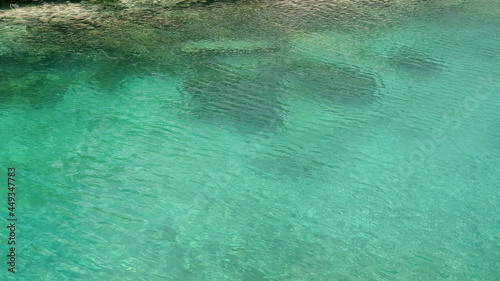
53 29
337 84
38 90
226 46
11 35
164 3
335 48
415 62
223 94
37 81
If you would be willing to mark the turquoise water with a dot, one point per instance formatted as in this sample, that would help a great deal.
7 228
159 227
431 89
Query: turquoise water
266 140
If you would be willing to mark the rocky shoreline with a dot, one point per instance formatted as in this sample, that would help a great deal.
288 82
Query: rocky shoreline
151 35
134 26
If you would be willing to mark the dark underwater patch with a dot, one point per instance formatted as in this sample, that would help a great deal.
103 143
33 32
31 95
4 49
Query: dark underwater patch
337 84
415 62
31 79
247 99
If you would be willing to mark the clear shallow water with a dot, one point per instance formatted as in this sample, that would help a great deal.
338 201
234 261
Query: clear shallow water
256 141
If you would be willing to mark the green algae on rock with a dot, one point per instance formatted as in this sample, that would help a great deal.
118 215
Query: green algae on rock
69 27
11 38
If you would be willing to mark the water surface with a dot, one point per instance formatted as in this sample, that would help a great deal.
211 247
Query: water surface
255 140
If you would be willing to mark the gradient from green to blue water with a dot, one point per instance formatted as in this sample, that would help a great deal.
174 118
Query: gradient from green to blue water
368 151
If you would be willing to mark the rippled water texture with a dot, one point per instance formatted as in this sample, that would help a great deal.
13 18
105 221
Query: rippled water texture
253 140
